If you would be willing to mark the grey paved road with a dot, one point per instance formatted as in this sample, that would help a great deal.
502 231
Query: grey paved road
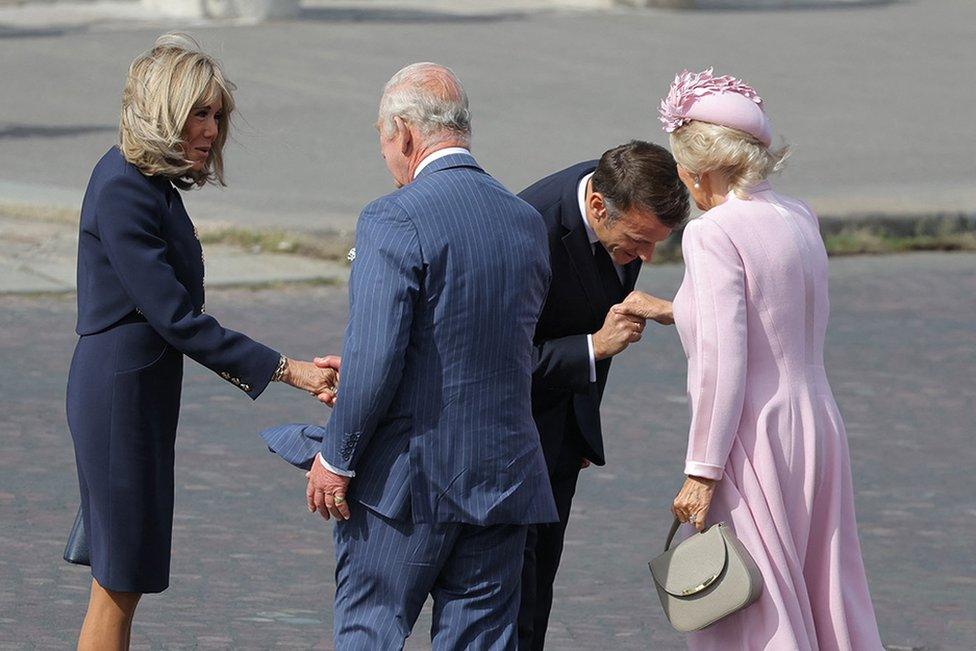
874 98
252 570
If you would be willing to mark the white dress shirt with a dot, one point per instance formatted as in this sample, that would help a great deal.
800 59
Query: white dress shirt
427 160
594 242
440 153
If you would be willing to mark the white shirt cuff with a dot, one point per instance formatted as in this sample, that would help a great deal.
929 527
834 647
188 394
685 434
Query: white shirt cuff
336 471
589 346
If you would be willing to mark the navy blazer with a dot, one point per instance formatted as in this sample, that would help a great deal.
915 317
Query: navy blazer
139 257
434 412
563 398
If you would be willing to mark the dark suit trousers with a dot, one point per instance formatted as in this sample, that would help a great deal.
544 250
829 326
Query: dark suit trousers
544 547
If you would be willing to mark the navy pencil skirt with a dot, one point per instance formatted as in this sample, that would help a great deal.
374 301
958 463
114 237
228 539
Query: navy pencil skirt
123 404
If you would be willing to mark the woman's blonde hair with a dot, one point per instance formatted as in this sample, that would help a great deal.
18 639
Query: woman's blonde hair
702 147
163 87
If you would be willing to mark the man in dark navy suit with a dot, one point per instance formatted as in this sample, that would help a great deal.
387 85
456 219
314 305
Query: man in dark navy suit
603 220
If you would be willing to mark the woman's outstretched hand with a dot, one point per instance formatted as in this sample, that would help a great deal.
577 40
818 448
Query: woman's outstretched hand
693 500
645 306
321 382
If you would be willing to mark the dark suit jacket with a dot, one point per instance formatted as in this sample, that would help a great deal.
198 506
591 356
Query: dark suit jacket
139 257
564 401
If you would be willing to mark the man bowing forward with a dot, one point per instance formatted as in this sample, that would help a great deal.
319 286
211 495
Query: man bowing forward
431 461
603 220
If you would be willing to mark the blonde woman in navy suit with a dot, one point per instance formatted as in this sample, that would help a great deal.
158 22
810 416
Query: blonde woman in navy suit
140 310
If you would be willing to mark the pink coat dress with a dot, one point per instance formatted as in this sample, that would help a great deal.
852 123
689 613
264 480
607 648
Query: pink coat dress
752 314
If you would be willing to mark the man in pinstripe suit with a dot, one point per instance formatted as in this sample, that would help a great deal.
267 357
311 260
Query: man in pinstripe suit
431 462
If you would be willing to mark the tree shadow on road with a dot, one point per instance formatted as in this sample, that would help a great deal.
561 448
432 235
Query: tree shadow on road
26 131
765 6
7 31
396 15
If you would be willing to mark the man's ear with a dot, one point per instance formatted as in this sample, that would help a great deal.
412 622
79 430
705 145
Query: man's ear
406 142
597 206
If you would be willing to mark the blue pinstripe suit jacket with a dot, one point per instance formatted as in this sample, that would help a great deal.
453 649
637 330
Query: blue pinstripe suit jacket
435 414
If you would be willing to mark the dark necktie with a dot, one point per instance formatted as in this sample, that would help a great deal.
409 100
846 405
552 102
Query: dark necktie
608 273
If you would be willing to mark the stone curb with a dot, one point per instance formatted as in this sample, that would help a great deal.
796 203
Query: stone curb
38 256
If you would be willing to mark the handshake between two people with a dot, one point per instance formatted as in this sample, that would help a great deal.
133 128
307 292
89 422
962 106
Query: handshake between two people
320 377
625 322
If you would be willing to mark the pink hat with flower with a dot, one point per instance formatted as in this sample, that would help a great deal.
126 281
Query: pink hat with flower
725 101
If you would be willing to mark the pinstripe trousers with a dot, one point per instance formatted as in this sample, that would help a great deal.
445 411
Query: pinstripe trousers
386 568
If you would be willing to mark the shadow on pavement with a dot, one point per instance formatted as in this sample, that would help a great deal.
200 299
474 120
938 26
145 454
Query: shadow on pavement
763 6
15 131
6 31
392 15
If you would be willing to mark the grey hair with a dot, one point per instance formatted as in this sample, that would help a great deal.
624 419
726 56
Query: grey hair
431 97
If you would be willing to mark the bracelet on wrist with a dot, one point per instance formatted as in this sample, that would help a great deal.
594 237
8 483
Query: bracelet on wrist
279 371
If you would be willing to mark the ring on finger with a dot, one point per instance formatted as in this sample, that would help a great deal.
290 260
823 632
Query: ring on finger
340 499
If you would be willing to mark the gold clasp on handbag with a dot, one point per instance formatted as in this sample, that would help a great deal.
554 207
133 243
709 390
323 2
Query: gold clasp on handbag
701 586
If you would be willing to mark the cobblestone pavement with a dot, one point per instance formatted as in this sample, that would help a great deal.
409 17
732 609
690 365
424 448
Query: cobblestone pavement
253 570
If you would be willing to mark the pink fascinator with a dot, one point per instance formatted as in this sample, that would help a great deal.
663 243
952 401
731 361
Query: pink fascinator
725 101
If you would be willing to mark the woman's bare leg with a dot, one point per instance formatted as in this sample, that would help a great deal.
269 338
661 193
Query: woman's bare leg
108 622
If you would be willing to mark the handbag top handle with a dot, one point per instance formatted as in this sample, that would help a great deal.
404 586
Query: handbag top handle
671 534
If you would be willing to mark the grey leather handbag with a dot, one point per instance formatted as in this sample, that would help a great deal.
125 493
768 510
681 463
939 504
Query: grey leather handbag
705 578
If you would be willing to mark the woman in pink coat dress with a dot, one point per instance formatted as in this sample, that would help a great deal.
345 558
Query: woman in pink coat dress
767 450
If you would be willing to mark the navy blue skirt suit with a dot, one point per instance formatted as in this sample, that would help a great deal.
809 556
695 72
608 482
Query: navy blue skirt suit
140 310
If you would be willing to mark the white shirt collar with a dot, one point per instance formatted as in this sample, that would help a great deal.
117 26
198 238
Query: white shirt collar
440 153
581 194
